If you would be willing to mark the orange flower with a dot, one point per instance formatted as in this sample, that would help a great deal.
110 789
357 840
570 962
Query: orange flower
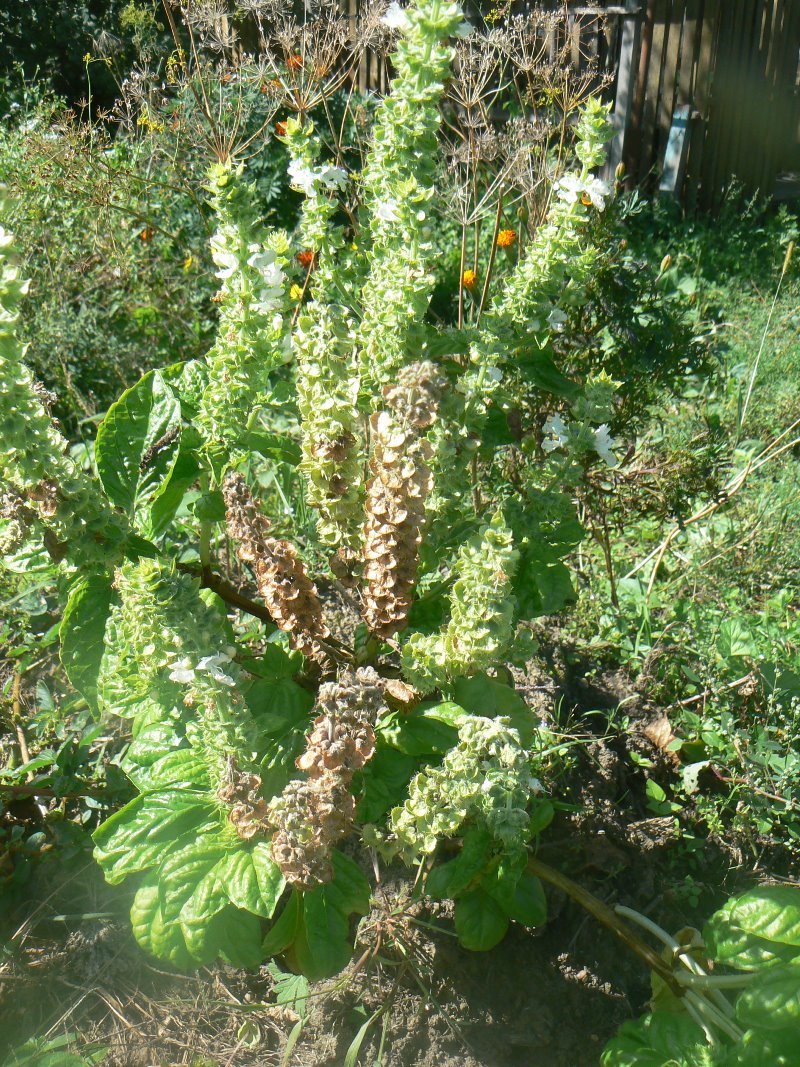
506 238
295 62
305 258
147 234
280 129
586 200
469 279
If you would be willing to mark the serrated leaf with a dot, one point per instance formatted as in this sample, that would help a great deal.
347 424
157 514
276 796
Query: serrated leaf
83 631
480 921
735 640
138 444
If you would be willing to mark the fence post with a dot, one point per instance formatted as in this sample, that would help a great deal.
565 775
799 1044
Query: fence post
630 42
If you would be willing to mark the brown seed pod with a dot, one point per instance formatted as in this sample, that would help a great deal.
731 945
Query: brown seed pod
281 576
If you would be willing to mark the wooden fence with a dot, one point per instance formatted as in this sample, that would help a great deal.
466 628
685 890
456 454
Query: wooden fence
707 91
703 91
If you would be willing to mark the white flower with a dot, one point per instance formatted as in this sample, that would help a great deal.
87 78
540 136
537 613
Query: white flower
569 187
603 444
395 17
387 210
222 256
598 192
557 428
211 664
332 177
181 671
572 187
304 178
557 318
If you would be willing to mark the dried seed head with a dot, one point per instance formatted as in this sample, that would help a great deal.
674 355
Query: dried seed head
396 493
311 816
248 809
282 577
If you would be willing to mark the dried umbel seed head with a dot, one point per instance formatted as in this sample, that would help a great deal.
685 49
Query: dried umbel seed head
282 578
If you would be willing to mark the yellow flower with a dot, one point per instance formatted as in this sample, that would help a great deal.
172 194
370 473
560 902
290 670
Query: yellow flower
296 291
187 263
469 279
506 238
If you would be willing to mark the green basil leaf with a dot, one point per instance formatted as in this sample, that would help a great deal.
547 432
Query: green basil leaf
383 782
323 945
184 874
655 1041
482 695
772 1002
520 894
82 632
285 928
480 921
252 879
451 879
138 444
759 929
150 931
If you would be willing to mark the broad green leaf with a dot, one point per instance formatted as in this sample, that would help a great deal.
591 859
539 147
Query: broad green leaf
759 929
383 782
159 816
238 937
520 895
165 942
138 444
165 506
663 1039
760 1048
182 877
323 945
419 734
451 879
772 1002
252 879
771 912
735 640
349 890
482 695
284 930
83 631
274 446
480 921
269 877
542 584
181 768
198 914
